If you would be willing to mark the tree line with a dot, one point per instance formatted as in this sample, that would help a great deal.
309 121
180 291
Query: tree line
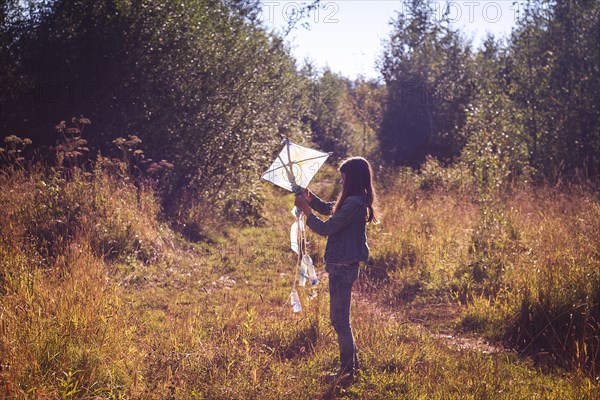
207 86
532 100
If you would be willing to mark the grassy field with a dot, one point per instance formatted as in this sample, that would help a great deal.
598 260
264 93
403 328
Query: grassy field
101 299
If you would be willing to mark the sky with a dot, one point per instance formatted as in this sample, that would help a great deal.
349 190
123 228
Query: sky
346 35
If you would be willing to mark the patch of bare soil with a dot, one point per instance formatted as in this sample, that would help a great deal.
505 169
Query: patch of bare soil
434 316
438 319
469 344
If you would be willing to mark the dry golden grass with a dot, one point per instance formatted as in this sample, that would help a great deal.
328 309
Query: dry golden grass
527 274
100 300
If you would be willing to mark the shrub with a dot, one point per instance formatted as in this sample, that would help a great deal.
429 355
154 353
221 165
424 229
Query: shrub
433 175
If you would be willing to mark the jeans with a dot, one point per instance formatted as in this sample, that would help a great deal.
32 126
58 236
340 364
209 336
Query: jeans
341 279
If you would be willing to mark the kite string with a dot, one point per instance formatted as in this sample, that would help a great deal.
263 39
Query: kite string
301 240
304 242
298 241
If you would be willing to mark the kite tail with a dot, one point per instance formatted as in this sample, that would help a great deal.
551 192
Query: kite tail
301 240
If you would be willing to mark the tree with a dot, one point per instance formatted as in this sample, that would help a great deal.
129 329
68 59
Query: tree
368 105
427 69
555 82
201 82
330 115
496 148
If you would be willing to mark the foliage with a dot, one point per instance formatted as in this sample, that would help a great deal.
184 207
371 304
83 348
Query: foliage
344 115
513 101
200 82
329 117
427 70
12 152
368 106
71 151
554 59
434 176
496 148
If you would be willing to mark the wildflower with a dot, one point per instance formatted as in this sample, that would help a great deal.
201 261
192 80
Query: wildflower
12 139
166 164
133 139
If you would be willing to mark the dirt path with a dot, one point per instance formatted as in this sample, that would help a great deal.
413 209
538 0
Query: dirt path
437 319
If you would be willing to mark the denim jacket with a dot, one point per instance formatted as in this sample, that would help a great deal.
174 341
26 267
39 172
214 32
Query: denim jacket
346 230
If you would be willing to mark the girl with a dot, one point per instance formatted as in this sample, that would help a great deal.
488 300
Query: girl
346 247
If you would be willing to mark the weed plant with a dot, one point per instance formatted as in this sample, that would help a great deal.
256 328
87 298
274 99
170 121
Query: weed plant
64 330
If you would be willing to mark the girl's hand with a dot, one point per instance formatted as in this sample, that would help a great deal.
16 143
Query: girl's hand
302 204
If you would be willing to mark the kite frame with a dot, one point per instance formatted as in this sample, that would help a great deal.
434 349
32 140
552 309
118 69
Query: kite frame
289 169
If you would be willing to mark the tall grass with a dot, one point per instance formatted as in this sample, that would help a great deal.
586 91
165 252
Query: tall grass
524 270
64 330
99 299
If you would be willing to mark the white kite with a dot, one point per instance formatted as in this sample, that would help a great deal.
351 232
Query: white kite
293 169
295 166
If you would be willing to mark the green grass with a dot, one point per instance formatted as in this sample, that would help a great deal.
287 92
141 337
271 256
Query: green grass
162 318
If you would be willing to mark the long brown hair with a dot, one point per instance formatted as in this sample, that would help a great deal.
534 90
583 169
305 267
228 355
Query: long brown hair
358 181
